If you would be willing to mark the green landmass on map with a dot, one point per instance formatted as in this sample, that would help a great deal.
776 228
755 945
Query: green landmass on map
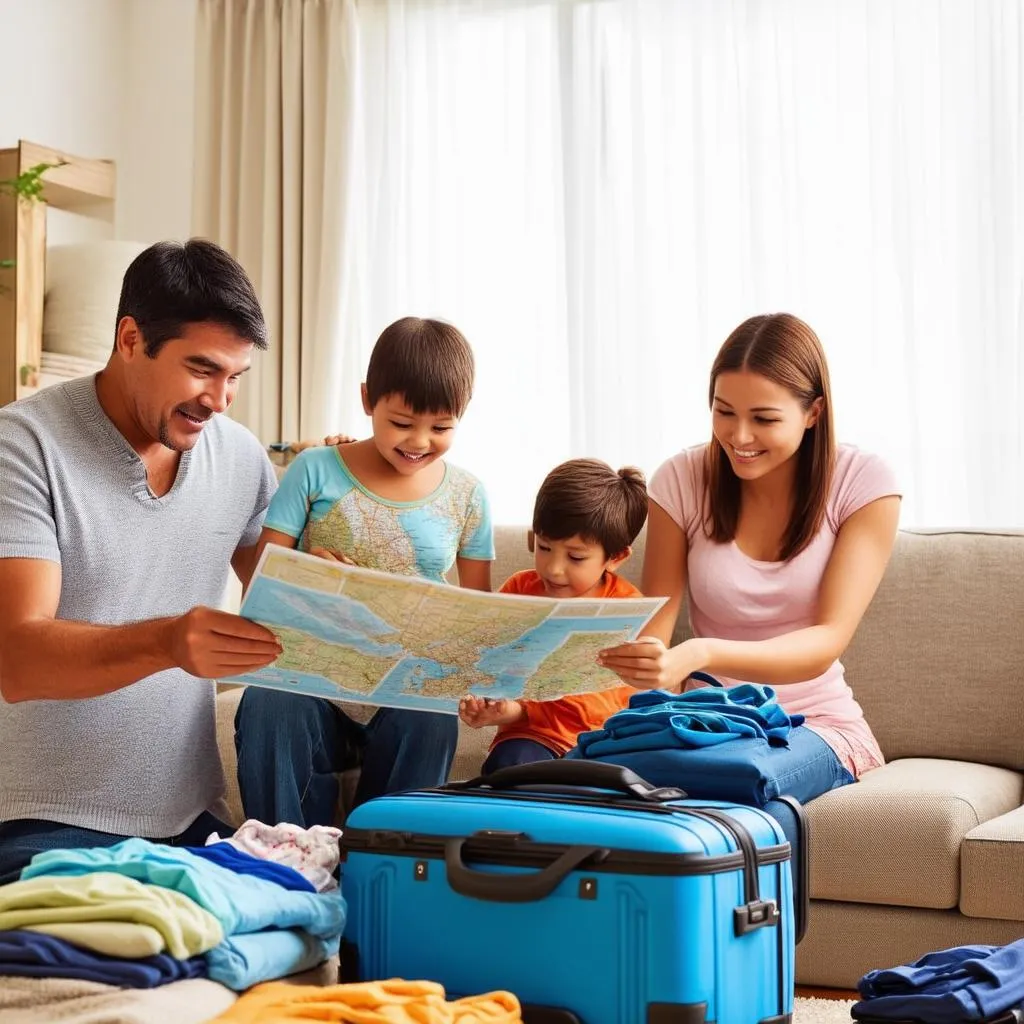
338 663
572 668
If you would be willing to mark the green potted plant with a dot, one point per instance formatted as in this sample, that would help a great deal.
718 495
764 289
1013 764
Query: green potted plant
27 185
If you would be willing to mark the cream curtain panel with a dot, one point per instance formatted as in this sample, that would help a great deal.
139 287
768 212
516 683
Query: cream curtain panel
274 89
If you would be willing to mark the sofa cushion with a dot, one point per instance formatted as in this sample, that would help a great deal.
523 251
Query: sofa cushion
895 836
992 868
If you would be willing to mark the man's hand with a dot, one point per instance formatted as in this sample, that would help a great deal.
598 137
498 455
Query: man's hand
211 644
477 712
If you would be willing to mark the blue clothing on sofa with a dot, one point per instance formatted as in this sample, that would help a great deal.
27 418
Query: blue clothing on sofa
746 771
242 863
28 954
965 983
704 717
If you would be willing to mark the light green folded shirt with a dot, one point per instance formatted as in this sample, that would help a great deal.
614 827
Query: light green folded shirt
108 899
126 940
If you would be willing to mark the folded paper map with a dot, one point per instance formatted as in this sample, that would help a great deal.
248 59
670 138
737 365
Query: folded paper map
401 641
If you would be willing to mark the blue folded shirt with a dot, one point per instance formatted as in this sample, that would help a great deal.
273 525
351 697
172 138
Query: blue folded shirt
965 983
28 954
245 960
242 863
656 720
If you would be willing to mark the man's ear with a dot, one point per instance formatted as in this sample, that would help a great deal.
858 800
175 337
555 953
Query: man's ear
530 541
129 341
613 563
367 408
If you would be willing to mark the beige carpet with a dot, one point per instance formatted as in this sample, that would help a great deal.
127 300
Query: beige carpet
822 1011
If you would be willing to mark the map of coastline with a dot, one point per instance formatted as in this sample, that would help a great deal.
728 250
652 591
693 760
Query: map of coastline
369 637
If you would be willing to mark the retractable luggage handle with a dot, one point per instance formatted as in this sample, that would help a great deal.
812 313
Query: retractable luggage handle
508 888
576 774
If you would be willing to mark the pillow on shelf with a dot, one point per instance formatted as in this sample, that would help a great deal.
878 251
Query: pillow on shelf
83 287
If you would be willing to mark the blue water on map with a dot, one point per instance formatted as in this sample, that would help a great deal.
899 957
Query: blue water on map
328 616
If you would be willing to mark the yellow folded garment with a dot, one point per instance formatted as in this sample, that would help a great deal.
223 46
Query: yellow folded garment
370 1002
123 939
185 927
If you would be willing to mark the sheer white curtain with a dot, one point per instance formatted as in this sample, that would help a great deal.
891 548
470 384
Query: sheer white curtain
596 192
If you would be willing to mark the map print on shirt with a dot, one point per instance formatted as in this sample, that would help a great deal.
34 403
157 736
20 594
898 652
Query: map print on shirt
402 641
321 504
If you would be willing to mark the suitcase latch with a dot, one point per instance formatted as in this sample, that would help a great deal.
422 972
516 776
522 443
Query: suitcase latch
751 916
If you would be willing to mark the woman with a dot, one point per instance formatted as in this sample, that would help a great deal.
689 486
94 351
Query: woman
778 535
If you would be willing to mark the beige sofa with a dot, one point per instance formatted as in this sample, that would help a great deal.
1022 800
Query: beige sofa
928 851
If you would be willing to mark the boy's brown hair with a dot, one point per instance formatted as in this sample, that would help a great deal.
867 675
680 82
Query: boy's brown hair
586 497
428 362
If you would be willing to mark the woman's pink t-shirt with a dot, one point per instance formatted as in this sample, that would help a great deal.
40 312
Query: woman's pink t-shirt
734 597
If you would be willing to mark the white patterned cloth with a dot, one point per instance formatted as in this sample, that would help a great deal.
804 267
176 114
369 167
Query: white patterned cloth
313 852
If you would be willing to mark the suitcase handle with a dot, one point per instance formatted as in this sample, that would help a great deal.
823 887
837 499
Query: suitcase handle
580 774
507 888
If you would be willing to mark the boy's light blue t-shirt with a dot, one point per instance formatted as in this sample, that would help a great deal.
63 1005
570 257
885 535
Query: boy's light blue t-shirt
321 503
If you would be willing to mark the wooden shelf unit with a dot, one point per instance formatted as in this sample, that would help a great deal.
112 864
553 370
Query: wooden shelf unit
81 185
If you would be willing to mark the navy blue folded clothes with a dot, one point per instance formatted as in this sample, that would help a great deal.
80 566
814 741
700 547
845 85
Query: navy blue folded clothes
966 983
745 771
28 954
242 863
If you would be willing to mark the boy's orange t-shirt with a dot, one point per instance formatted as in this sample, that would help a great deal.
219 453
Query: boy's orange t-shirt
556 723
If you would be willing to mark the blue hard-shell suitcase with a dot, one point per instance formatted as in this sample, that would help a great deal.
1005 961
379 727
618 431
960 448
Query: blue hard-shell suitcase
593 896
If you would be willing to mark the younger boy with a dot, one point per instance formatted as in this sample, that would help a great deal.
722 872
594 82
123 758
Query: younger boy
390 503
585 518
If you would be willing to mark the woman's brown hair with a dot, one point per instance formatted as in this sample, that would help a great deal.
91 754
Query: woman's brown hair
784 349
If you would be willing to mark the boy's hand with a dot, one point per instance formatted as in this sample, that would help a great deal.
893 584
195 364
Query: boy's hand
477 712
329 441
331 556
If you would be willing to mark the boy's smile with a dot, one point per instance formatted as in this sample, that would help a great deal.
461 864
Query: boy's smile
409 441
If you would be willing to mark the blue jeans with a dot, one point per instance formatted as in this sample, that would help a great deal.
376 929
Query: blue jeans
291 747
516 751
22 839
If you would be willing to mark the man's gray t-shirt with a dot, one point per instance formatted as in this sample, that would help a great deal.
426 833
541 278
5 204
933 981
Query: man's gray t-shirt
142 760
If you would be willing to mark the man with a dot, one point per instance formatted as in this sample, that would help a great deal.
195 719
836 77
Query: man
124 499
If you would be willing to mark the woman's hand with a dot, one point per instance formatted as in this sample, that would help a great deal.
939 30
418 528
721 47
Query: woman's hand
647 664
477 712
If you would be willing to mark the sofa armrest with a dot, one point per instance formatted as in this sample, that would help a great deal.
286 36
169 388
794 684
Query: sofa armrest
992 868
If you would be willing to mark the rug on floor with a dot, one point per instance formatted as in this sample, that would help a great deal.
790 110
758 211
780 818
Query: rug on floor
822 1011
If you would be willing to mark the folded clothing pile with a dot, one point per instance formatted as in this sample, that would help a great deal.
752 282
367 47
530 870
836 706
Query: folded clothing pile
705 717
143 914
965 983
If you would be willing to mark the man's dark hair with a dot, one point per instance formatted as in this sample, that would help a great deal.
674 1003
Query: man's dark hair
428 362
173 284
589 499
